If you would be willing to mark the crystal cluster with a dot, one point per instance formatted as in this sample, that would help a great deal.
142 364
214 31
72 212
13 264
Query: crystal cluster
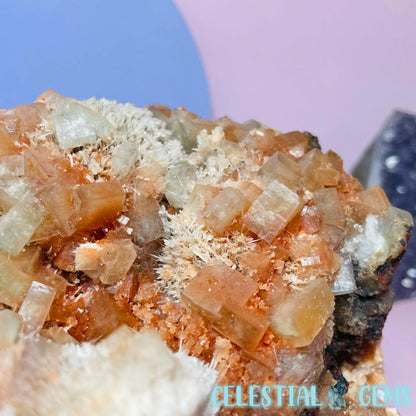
242 246
137 366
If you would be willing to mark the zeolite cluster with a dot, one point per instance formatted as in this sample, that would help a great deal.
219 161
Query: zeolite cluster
221 244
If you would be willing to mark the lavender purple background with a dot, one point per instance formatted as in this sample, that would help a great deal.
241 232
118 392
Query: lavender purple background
336 68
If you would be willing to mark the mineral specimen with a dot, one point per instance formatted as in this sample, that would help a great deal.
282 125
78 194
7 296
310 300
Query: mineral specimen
138 366
106 260
272 211
390 162
239 246
77 125
35 307
300 316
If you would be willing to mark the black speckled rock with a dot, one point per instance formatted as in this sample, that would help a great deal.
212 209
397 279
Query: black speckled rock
391 163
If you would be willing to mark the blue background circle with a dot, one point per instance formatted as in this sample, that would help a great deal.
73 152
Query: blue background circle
137 51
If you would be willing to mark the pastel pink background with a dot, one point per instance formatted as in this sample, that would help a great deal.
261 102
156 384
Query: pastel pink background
335 68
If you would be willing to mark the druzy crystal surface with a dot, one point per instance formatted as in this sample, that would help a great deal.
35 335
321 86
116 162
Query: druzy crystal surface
245 248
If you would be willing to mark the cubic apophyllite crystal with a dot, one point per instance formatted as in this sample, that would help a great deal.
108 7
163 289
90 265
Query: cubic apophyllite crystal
106 260
272 210
35 307
309 310
243 247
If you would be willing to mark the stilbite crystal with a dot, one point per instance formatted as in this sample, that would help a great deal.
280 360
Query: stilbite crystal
326 176
160 111
6 202
234 132
294 143
90 312
314 256
42 165
23 119
314 164
250 192
28 259
185 126
7 142
58 335
50 277
335 160
268 141
309 220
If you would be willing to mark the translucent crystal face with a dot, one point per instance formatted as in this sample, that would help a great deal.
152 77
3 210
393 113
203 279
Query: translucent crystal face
35 307
374 200
179 183
144 220
201 196
10 326
124 158
106 260
282 168
12 165
62 202
329 207
100 203
272 211
223 210
19 224
14 283
76 125
220 294
241 326
216 285
300 316
344 279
